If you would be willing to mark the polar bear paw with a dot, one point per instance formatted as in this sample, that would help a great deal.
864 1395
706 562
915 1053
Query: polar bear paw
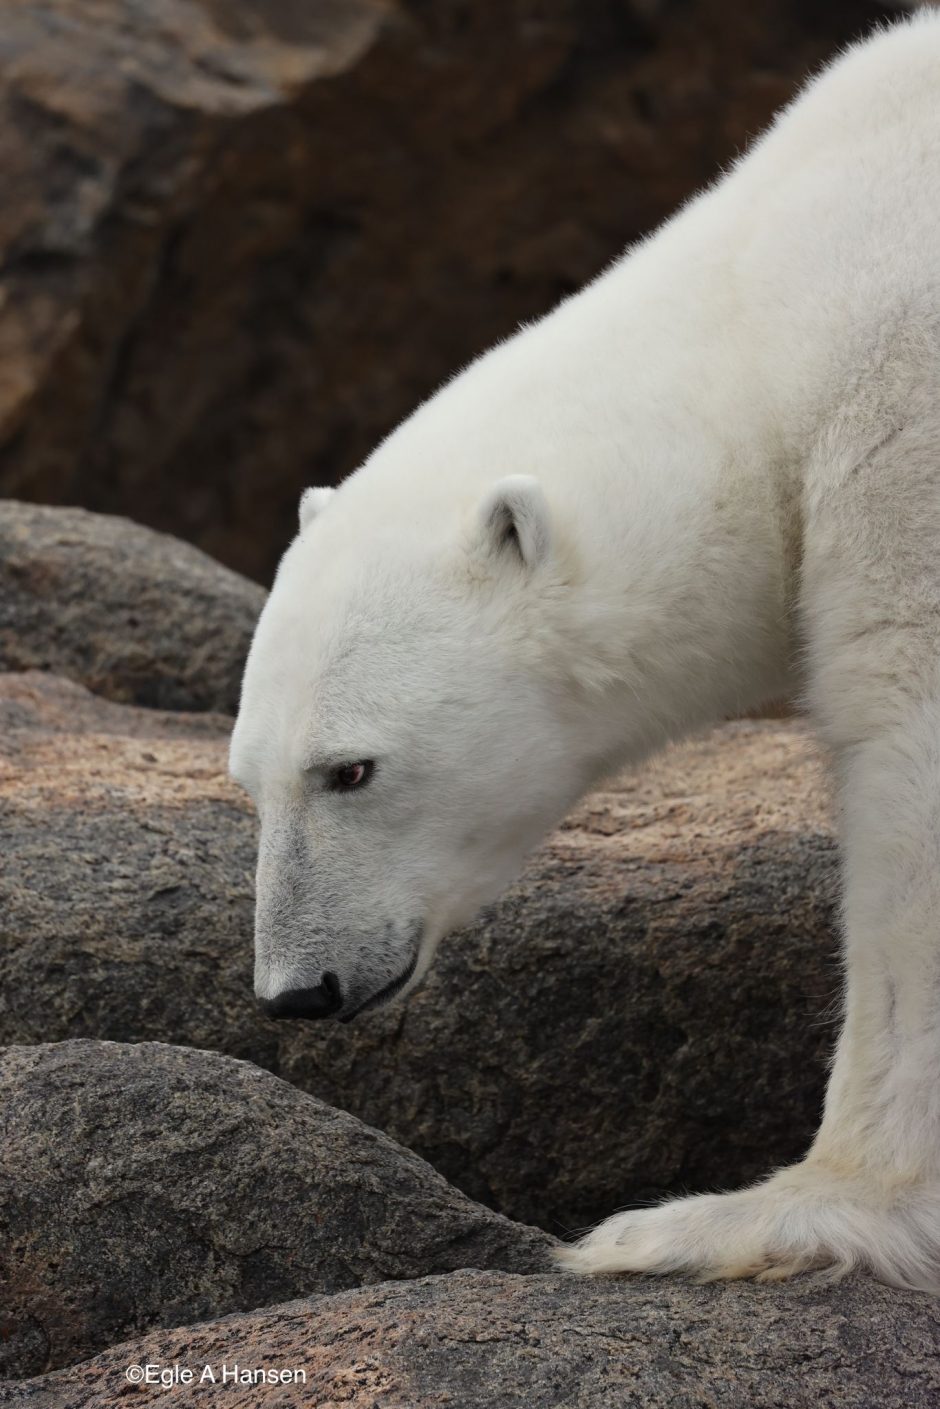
802 1219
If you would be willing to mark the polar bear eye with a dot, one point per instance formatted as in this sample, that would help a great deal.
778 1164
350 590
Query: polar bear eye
347 776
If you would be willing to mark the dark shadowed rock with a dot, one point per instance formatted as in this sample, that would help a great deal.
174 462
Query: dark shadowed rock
134 615
479 1340
649 1009
240 241
147 1186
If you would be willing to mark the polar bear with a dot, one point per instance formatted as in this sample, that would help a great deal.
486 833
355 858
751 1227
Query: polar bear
710 479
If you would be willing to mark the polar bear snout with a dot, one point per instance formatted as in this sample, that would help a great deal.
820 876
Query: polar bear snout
363 976
324 1001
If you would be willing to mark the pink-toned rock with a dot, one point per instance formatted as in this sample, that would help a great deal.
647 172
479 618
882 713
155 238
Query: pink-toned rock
476 1340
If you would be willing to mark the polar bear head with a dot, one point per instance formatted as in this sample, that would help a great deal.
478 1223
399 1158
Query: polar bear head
408 730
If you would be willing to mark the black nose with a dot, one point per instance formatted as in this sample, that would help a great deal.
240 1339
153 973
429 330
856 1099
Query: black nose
320 1002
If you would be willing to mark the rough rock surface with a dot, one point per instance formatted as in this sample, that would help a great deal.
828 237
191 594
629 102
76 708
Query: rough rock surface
135 615
649 1009
146 1186
240 241
479 1340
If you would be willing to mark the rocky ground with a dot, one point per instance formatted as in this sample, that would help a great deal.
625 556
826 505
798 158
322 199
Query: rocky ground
202 1185
490 1340
649 1009
240 241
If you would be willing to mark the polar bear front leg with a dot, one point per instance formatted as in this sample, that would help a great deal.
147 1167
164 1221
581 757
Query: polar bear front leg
868 1192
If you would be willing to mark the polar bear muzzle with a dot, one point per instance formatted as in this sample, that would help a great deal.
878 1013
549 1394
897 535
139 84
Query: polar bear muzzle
328 1000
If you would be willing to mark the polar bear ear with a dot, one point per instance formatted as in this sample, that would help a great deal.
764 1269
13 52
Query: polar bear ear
313 502
515 519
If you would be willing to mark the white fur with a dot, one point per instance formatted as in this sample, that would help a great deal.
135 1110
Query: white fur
736 437
313 502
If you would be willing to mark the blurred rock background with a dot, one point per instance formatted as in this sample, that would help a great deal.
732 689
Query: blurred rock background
239 241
